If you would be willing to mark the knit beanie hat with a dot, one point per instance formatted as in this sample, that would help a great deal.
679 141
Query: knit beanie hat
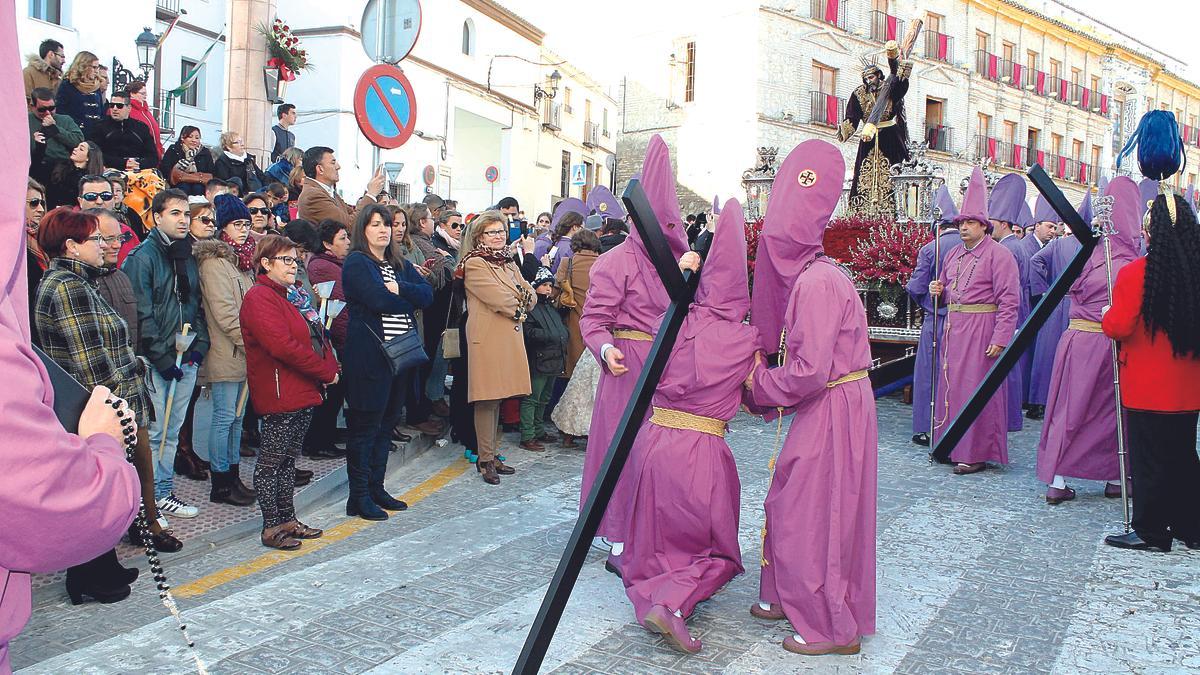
543 276
229 209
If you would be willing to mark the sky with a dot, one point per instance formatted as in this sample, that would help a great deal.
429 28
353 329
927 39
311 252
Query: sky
587 37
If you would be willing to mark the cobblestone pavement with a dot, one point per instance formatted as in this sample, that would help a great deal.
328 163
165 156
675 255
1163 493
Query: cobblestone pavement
976 574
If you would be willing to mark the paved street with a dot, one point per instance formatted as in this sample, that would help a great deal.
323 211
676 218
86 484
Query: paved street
976 574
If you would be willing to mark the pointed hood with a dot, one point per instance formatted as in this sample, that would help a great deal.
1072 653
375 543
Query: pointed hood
602 202
1025 216
804 194
1148 190
1126 217
568 205
944 203
716 209
1007 197
725 280
1085 207
658 182
1044 212
974 203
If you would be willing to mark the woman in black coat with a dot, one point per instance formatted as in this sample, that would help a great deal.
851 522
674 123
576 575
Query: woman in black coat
235 164
187 164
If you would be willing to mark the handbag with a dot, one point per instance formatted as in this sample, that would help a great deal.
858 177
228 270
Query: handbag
451 347
403 352
566 296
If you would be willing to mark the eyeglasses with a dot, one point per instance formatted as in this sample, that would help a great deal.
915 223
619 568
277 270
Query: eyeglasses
493 233
114 104
239 224
35 203
95 237
259 211
97 196
46 108
285 259
122 238
209 220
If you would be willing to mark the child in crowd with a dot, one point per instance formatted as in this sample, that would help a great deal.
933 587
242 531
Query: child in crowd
546 346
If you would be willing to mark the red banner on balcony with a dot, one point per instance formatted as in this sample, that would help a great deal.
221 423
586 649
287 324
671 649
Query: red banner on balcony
1086 99
992 66
1017 156
891 27
1083 177
1041 83
831 110
1041 157
1062 166
1187 133
991 148
831 11
1016 75
1103 104
943 46
1062 91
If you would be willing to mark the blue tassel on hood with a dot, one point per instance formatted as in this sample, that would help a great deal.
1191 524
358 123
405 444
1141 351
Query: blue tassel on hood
1159 146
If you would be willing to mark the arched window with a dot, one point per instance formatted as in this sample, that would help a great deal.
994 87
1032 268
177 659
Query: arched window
468 38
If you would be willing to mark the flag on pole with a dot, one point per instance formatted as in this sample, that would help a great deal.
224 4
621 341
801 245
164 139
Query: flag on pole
190 78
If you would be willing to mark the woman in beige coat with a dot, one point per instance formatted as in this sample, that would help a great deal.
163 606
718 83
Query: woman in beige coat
225 263
585 249
498 300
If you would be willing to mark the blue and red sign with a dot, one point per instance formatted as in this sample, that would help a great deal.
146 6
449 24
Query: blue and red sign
492 174
385 106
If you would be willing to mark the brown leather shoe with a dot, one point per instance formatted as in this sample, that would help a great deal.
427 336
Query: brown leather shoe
279 537
503 469
301 531
773 614
961 469
441 409
568 441
187 464
547 437
429 427
532 445
488 469
821 648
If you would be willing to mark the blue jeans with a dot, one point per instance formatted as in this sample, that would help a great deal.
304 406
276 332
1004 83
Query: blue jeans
435 388
225 434
164 463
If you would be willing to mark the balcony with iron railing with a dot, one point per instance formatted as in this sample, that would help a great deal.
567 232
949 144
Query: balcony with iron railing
164 112
1013 74
886 27
168 6
591 134
939 137
987 64
1065 168
1002 153
832 12
826 110
939 46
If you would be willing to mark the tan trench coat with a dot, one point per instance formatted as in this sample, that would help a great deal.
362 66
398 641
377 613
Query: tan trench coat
222 287
499 368
580 267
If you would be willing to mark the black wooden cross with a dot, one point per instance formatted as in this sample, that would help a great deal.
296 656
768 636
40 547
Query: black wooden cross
1037 318
681 287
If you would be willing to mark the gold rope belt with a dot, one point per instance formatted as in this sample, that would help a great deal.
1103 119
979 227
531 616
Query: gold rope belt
631 334
1085 326
973 309
677 419
852 377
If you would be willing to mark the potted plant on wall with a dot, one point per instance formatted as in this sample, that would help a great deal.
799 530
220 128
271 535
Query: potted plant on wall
285 57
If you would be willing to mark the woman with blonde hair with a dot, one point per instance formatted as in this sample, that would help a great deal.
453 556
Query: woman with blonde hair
81 94
236 165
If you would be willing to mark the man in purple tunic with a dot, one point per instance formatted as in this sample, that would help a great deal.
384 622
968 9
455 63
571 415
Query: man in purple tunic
1044 268
818 557
625 303
681 545
1004 213
918 289
1079 439
979 284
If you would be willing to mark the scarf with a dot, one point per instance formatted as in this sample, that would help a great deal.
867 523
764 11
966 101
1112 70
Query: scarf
241 158
179 252
498 258
87 86
31 236
450 241
300 298
187 162
244 252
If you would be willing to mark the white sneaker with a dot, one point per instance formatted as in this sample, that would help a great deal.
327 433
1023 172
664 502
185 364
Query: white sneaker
162 522
177 507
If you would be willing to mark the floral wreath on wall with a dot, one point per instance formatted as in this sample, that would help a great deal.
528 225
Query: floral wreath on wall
285 51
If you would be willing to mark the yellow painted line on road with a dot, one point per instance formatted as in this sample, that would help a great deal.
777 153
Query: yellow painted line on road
332 535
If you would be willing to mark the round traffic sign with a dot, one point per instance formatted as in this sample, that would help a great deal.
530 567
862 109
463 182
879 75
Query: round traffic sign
390 29
428 175
385 106
492 174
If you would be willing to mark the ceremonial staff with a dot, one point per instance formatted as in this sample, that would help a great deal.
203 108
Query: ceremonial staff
1106 228
937 274
183 340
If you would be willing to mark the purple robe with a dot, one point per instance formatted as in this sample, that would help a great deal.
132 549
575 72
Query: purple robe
918 288
562 251
987 274
1016 378
541 246
1030 245
1044 268
819 548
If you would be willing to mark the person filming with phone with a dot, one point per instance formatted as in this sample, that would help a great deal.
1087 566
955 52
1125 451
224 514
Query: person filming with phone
319 198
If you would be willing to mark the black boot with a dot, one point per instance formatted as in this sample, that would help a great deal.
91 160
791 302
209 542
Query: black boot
223 491
1036 412
359 503
102 578
378 469
237 486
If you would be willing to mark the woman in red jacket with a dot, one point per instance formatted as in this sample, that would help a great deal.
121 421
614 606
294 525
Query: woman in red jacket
1155 315
288 362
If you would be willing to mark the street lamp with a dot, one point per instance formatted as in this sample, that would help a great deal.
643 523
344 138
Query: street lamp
539 93
147 47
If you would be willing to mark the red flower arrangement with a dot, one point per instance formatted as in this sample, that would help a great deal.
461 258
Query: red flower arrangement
753 232
284 50
888 254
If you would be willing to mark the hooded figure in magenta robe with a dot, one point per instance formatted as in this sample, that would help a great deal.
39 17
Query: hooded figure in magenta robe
625 304
1007 198
918 288
983 297
1079 438
681 546
64 499
818 557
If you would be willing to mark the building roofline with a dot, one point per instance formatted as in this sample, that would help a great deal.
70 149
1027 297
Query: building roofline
508 19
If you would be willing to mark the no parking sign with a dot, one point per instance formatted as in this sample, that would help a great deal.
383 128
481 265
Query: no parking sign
385 106
491 174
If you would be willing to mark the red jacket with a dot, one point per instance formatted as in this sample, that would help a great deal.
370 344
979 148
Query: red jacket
284 370
1152 378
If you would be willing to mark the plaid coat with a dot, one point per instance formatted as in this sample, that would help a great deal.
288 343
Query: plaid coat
86 336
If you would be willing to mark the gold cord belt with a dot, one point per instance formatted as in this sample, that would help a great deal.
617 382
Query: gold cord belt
631 334
1085 326
852 377
973 309
677 419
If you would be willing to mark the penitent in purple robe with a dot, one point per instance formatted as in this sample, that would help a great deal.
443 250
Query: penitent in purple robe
1079 438
625 292
681 545
1044 267
986 274
918 288
818 558
1016 378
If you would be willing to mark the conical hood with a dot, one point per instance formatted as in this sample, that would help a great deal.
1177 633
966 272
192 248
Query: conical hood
974 203
1085 207
945 205
658 181
568 205
1148 189
1126 215
716 209
804 194
1025 217
725 280
602 202
1007 197
1044 212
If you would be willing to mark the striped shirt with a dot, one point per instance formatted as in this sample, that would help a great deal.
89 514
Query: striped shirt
393 324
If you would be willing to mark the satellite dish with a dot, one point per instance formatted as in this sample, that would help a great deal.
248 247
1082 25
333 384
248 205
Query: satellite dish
390 29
